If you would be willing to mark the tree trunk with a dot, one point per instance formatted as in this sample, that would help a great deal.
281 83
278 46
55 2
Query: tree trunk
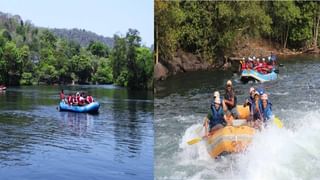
316 32
286 38
157 45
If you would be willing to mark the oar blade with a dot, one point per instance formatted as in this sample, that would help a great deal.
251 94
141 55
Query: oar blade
278 123
194 141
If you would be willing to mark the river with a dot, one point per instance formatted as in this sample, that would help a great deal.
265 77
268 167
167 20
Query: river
39 142
292 152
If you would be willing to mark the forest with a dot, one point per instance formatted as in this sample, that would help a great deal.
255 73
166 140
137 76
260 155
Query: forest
210 29
30 55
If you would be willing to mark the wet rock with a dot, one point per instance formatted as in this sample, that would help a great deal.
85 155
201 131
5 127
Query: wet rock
160 72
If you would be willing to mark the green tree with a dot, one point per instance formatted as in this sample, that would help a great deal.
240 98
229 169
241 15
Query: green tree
285 14
119 60
133 42
98 49
81 66
144 63
103 74
12 63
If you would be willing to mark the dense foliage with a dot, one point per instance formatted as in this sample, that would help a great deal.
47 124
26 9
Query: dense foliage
210 28
82 36
31 55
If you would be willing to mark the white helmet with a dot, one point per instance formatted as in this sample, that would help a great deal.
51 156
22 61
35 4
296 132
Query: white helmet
264 96
216 94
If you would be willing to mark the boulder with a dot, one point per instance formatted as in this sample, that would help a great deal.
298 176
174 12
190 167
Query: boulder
160 72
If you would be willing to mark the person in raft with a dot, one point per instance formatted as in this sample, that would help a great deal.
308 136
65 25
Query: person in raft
230 100
249 101
256 116
215 118
265 108
63 97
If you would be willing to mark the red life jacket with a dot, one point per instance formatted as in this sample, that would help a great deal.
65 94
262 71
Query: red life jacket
89 99
69 99
243 65
74 100
78 99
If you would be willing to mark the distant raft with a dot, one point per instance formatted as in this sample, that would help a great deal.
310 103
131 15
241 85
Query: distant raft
231 139
249 74
89 108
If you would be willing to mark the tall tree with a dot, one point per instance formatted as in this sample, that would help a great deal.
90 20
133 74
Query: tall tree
133 42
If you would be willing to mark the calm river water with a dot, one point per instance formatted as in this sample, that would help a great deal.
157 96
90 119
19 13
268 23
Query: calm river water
38 142
292 152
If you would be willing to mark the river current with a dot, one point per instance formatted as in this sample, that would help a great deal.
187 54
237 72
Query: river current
292 152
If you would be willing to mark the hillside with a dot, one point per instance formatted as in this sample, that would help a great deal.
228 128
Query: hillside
82 36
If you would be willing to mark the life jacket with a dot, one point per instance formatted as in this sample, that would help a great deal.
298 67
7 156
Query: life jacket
74 100
217 116
81 100
243 65
228 97
69 99
256 114
89 99
267 112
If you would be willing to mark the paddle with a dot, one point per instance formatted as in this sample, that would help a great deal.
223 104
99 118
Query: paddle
277 122
195 140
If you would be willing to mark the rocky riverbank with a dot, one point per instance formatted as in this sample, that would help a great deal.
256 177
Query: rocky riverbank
186 62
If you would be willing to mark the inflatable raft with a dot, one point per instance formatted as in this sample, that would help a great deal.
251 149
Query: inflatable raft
231 139
247 75
89 108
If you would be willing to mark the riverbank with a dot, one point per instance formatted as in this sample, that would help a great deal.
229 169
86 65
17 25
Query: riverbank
187 62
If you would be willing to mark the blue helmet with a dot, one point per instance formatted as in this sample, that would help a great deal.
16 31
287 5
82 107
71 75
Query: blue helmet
260 91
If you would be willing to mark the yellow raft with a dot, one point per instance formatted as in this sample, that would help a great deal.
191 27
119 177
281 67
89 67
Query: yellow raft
231 139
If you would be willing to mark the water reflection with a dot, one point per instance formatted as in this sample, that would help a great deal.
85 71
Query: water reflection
78 123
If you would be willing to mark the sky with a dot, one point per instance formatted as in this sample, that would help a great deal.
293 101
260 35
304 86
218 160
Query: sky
104 17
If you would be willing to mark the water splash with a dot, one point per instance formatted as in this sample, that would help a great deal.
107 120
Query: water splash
273 154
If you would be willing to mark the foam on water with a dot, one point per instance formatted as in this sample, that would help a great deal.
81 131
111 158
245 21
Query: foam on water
273 154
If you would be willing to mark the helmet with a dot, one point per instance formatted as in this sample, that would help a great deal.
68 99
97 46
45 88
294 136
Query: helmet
264 97
251 89
229 82
263 59
260 91
216 94
256 93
